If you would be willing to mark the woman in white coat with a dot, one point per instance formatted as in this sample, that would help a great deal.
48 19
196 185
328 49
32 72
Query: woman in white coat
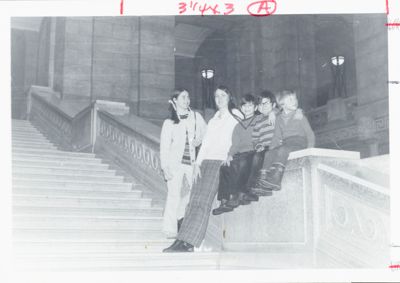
180 135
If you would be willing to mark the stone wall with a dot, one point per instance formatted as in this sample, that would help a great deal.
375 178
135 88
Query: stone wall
99 58
24 46
273 53
115 58
77 57
157 65
371 45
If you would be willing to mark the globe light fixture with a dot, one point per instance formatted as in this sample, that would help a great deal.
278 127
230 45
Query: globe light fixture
337 60
207 73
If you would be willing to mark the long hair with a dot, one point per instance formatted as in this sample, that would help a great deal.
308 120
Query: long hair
172 106
231 103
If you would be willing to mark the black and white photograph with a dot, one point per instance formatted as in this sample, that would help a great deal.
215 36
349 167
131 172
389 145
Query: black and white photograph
200 142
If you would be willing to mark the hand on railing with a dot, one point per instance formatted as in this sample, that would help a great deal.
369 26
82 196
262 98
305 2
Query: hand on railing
168 174
196 172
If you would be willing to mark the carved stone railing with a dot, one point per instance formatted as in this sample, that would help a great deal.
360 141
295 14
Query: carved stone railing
69 132
318 117
130 142
136 152
322 217
353 221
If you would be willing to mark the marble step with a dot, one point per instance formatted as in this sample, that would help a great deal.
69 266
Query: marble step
52 152
20 122
70 164
70 234
78 193
71 201
24 129
62 170
30 143
54 157
149 223
28 135
93 246
87 211
120 262
29 139
66 177
70 184
16 146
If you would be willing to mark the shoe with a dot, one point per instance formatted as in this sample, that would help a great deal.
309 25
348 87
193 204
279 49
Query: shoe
222 209
251 197
180 221
261 192
179 246
242 200
274 178
233 201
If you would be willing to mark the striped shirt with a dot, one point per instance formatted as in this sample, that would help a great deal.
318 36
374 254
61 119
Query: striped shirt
263 131
186 152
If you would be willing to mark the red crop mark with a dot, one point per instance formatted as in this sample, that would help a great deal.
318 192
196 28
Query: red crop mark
121 7
394 266
387 7
262 8
391 24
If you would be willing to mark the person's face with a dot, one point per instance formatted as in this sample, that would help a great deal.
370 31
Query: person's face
183 100
221 99
265 107
290 103
248 109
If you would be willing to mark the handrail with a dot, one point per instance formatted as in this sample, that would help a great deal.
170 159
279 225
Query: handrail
62 113
129 128
58 110
354 179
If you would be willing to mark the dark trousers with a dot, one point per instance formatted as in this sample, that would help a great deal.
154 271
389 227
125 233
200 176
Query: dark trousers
239 175
256 165
280 154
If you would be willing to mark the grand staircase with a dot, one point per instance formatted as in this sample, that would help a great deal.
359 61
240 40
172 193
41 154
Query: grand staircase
72 212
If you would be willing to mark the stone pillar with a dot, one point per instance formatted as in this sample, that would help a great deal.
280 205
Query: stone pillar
288 58
52 51
127 59
371 52
115 58
157 65
77 57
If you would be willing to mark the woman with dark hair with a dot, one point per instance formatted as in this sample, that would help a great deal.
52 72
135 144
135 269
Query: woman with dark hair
180 134
213 152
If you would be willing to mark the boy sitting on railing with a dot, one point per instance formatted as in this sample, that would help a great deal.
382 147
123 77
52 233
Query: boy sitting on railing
290 134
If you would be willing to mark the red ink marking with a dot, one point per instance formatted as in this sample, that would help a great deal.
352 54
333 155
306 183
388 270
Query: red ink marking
121 7
194 6
395 266
262 8
206 7
182 7
392 24
387 7
228 6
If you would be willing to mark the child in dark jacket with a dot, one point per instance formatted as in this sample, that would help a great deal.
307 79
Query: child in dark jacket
290 134
235 171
